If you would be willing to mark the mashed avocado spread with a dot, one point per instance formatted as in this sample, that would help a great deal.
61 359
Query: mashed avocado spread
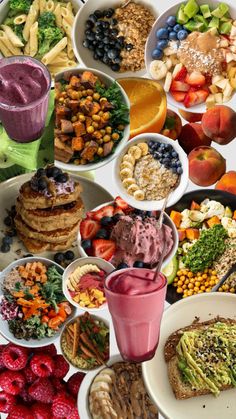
207 358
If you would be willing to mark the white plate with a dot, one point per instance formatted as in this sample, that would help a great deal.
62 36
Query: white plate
180 314
92 195
151 44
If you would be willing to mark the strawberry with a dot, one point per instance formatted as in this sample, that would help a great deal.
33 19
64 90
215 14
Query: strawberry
61 366
19 412
12 382
14 357
179 86
195 98
106 211
104 249
195 79
180 76
118 210
121 203
179 96
41 411
89 229
42 390
7 401
90 215
42 365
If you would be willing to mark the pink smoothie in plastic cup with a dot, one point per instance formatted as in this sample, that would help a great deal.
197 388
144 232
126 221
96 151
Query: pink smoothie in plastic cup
136 304
24 92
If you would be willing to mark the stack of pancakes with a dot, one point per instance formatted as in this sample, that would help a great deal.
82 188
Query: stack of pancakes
48 223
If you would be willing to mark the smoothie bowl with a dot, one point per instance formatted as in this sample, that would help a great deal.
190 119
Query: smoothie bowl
125 236
192 51
83 283
85 342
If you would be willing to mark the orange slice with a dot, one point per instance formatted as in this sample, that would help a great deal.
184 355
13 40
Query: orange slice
147 104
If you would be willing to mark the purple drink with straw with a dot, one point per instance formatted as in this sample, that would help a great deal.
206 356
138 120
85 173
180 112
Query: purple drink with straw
24 93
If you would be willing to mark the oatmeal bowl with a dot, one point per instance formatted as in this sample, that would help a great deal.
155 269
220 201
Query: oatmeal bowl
191 50
112 38
150 168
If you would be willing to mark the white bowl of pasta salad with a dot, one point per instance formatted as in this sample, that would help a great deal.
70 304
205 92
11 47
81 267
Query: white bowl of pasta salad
83 283
41 29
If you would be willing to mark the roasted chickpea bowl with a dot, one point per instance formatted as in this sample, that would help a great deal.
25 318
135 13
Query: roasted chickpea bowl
91 119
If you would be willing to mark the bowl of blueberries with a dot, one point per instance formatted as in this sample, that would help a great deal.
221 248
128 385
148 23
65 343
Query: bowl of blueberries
96 39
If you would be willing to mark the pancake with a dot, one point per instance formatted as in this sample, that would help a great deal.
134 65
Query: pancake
37 246
49 219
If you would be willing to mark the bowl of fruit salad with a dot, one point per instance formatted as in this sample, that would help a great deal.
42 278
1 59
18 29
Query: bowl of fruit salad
191 50
83 283
125 236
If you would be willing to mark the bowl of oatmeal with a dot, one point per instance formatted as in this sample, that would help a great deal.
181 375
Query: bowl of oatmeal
194 58
150 168
112 39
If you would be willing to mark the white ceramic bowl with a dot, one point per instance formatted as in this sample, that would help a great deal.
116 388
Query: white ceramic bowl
101 263
95 317
108 81
151 44
84 55
31 343
151 205
167 221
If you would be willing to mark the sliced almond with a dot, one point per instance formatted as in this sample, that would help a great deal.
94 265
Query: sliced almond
213 89
226 98
229 57
216 78
168 81
218 98
210 101
221 83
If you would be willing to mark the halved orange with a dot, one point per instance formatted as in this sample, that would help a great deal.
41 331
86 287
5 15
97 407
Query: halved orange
147 104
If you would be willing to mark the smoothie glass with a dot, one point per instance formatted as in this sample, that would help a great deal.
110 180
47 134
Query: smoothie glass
137 317
24 122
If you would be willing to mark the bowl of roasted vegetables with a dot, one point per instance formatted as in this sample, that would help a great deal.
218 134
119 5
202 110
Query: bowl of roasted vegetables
33 307
91 119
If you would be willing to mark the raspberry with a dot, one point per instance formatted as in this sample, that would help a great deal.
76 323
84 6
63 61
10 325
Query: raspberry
2 365
12 382
7 401
24 394
42 365
49 350
58 384
41 411
42 390
62 406
19 412
14 357
61 366
73 384
29 375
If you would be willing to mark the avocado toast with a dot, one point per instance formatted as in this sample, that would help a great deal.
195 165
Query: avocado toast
201 358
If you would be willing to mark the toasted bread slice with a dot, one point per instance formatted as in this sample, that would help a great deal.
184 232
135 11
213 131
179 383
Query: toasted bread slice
37 246
181 389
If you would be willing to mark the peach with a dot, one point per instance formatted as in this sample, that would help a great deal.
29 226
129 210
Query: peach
206 166
219 123
227 182
190 116
172 126
192 136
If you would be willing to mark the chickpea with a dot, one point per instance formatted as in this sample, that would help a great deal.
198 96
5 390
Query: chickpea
83 161
232 290
96 118
96 96
196 289
179 290
186 281
106 138
84 92
77 161
100 151
108 130
204 276
202 287
81 118
106 116
197 284
182 277
121 127
214 272
95 125
211 282
190 274
179 273
89 98
74 118
61 99
190 286
180 282
90 130
102 131
190 292
184 286
86 144
208 289
89 92
100 141
206 284
100 113
115 136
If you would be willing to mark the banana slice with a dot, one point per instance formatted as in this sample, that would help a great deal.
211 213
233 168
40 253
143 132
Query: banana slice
132 188
144 148
100 386
168 63
128 181
124 173
158 69
126 164
168 81
135 151
139 195
129 158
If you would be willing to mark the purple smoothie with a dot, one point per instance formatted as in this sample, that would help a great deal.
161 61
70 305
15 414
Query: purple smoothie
24 94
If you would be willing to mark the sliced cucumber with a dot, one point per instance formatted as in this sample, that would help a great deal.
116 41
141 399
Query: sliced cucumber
181 17
206 11
214 23
225 28
192 26
171 269
221 10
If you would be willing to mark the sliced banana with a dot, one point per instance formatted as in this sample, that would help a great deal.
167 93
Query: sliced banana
124 173
144 148
99 386
158 69
132 188
129 158
168 81
128 181
135 151
139 195
168 63
126 164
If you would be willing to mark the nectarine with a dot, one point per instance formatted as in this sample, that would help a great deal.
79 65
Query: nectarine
190 116
227 182
192 136
219 123
206 166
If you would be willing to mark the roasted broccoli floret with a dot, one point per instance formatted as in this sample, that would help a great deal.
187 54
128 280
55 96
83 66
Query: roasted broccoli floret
46 20
48 38
18 29
19 6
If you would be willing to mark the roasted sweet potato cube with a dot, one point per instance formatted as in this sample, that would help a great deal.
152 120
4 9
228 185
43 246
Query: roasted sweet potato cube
107 148
194 206
74 81
212 221
234 215
181 234
95 108
97 135
62 112
74 105
77 143
88 79
176 217
63 152
66 126
105 105
79 128
192 233
89 151
88 121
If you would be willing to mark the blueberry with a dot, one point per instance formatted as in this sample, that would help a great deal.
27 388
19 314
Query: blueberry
138 264
42 184
100 52
129 47
122 265
5 248
102 234
95 56
162 44
173 36
69 255
157 155
98 13
113 22
181 35
174 170
85 43
173 164
53 171
7 221
114 32
162 33
179 170
116 217
117 60
12 232
105 24
121 40
171 20
91 36
113 53
92 18
109 12
106 40
115 67
105 59
178 163
162 146
89 24
59 257
86 244
99 36
178 27
91 46
151 143
105 221
7 240
61 178
157 54
41 172
174 154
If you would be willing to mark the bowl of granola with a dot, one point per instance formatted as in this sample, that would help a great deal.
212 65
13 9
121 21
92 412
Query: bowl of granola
149 169
112 38
191 50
